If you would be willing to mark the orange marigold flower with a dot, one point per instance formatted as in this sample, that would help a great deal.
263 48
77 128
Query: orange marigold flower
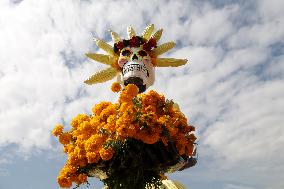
68 169
64 182
116 87
110 110
72 159
86 128
148 118
111 119
94 142
69 148
129 92
192 138
79 119
97 109
132 90
106 154
125 106
163 120
121 130
93 157
58 129
151 98
148 138
151 108
81 178
79 152
65 138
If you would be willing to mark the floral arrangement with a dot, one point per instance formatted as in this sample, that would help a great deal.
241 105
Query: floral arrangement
135 41
128 144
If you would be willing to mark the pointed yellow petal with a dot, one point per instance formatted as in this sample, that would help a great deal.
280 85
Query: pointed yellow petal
101 76
163 48
115 37
170 62
105 59
130 32
179 185
157 35
169 184
148 31
104 46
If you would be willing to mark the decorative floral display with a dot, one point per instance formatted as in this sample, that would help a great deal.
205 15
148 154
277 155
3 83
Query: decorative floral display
135 41
128 144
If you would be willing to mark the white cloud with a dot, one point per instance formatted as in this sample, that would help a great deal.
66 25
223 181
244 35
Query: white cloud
232 90
4 173
234 186
211 26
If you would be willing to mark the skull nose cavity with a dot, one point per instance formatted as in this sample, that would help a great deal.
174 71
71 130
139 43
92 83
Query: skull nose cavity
134 57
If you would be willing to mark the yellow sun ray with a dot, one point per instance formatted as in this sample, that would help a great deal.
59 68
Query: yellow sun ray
115 37
170 62
102 58
112 58
130 32
157 35
148 31
104 46
101 76
169 184
163 48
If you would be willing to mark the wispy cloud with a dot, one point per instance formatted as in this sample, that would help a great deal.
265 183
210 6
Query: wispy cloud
232 90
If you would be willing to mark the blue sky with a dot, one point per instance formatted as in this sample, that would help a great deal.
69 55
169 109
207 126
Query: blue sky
232 90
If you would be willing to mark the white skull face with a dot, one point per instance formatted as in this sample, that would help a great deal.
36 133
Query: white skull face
137 67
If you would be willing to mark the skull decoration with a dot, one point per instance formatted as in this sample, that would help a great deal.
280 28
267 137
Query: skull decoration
137 67
133 60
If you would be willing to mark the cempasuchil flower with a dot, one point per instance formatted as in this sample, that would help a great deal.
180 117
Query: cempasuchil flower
144 130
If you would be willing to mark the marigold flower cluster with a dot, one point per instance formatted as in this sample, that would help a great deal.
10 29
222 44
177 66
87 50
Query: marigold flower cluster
115 87
147 117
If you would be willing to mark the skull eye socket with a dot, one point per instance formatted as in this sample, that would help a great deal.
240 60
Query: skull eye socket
126 52
142 53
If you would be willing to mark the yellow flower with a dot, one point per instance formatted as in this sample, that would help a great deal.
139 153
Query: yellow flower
125 106
97 109
151 108
64 182
94 143
69 148
116 87
57 130
149 118
65 138
132 90
81 178
129 92
79 119
93 157
106 154
108 111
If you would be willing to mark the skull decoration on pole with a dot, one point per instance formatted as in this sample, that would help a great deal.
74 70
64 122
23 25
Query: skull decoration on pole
133 60
134 142
136 65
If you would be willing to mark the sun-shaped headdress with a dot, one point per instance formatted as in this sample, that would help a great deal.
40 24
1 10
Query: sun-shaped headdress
147 41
